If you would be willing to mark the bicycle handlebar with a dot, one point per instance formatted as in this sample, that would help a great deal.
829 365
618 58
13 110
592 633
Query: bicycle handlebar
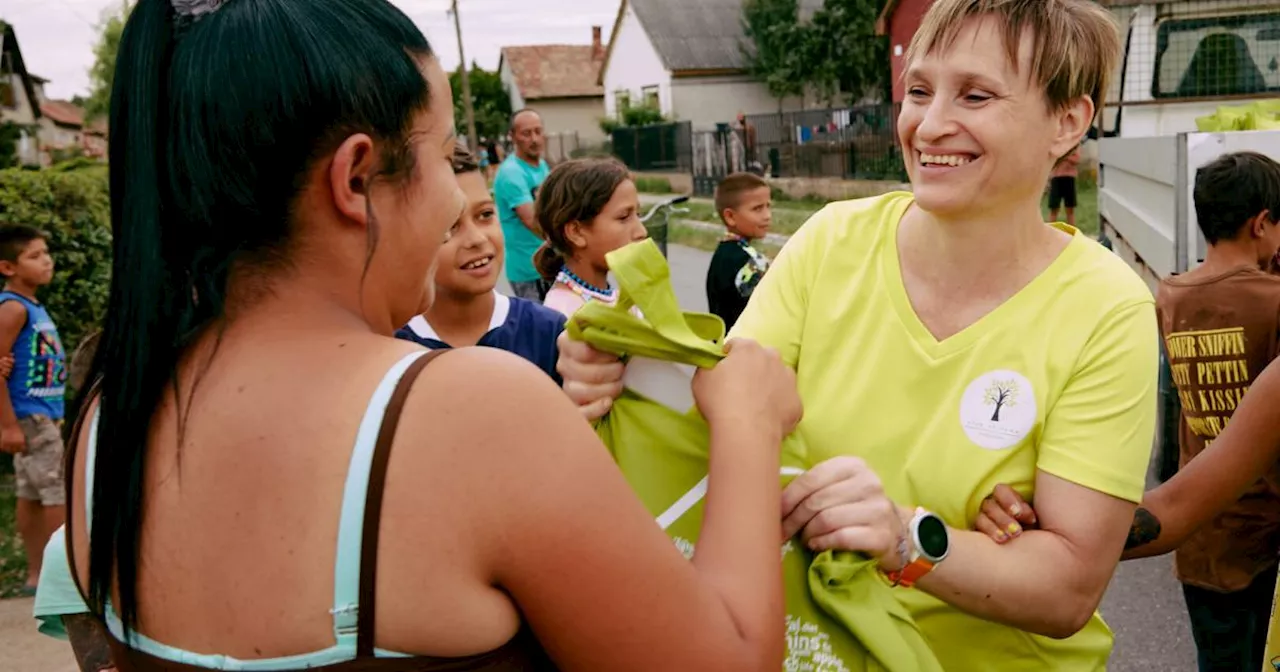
667 204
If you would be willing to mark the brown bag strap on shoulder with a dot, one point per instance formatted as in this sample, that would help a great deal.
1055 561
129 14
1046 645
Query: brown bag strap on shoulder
366 615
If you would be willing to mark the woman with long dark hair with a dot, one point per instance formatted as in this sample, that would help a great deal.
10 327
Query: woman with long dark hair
242 496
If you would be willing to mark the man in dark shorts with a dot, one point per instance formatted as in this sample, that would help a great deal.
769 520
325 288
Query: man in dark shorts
1062 187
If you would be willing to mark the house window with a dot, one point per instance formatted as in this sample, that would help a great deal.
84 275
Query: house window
7 95
649 95
621 101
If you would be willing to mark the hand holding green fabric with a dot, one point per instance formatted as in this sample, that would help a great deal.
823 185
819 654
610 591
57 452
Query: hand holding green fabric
841 614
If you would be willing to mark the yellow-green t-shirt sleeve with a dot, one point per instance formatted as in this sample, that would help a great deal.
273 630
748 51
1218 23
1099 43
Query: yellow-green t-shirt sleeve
1099 432
775 315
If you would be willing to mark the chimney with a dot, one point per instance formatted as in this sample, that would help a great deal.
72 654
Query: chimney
597 49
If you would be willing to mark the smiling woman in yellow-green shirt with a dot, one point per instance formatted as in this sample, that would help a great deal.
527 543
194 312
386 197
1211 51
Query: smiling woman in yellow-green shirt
1059 379
948 340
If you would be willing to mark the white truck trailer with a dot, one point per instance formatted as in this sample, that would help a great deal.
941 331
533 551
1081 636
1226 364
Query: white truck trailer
1182 60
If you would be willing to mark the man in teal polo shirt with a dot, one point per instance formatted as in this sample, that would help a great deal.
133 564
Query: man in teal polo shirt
515 188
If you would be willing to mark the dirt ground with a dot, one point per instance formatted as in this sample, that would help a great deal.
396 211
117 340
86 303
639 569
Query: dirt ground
22 649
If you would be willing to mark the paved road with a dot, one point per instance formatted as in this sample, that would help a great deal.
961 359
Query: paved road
22 649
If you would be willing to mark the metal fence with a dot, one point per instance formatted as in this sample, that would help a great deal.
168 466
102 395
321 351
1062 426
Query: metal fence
561 146
716 154
847 143
658 147
850 143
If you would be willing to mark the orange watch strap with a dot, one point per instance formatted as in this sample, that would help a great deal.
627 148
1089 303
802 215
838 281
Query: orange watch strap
908 575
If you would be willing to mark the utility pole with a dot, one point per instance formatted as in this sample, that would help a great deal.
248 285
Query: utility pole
473 142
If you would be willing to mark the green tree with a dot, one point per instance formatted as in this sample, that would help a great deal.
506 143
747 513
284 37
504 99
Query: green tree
104 66
835 52
844 52
10 134
775 45
490 102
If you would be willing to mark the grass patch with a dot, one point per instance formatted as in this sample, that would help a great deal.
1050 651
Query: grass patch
783 199
1086 207
13 560
787 216
653 185
701 239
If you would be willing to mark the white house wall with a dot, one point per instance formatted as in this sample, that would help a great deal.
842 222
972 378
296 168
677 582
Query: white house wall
633 65
509 83
572 115
706 101
20 113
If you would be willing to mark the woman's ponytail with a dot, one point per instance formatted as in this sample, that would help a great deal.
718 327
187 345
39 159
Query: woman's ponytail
197 194
548 262
140 337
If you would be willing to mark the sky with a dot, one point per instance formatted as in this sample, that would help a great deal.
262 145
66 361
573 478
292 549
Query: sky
57 36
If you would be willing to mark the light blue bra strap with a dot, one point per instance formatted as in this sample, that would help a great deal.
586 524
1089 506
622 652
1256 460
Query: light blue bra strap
346 578
90 461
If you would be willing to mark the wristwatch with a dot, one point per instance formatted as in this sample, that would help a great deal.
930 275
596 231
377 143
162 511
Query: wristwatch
930 543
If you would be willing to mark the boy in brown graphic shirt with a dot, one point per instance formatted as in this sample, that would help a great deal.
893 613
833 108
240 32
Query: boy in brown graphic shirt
1219 323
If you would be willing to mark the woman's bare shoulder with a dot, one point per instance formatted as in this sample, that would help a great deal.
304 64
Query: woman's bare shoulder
494 420
490 387
489 438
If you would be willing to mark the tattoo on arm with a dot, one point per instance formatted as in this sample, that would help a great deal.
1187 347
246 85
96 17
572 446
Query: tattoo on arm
1145 529
88 641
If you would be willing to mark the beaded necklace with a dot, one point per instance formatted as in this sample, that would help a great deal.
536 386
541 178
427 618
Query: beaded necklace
583 289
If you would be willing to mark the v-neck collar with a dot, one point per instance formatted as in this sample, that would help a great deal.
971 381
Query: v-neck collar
890 266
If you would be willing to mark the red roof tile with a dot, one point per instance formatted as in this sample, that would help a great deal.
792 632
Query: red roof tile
62 112
555 70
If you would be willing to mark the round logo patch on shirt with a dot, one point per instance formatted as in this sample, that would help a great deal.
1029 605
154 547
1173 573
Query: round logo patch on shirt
998 409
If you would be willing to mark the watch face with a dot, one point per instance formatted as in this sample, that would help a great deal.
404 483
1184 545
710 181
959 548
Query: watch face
931 536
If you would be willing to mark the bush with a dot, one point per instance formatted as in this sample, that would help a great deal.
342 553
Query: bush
642 116
609 125
653 185
73 208
77 163
10 134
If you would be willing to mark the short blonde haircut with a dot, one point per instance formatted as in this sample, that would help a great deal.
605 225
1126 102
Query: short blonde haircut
1075 43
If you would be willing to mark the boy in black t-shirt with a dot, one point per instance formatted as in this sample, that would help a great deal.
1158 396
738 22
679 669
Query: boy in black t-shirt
745 204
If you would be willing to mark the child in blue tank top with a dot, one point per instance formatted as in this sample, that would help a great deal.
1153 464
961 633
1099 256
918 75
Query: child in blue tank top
31 402
467 310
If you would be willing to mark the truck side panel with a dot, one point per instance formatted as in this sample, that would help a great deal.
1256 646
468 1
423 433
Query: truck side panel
1136 201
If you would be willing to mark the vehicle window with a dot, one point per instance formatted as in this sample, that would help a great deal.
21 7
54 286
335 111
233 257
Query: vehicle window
1218 56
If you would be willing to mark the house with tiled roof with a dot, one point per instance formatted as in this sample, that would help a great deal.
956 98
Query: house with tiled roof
19 96
63 127
49 126
686 59
561 82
